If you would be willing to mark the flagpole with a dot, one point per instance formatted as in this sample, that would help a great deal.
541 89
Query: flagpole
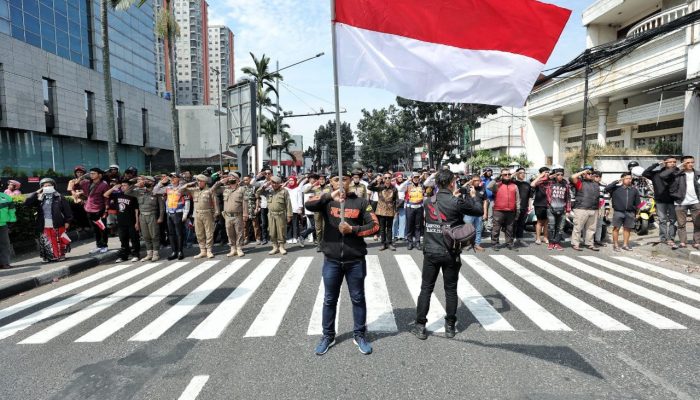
337 110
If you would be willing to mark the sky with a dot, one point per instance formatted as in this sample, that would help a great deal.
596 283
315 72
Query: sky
289 31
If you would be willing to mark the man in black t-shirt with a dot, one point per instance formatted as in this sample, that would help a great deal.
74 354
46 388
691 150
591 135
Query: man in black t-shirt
127 221
540 205
475 186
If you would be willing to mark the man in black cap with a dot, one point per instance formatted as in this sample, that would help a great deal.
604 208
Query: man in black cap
130 173
344 251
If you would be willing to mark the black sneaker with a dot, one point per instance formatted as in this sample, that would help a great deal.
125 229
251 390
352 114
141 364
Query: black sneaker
392 248
410 245
318 249
172 256
383 247
419 331
181 256
450 330
418 247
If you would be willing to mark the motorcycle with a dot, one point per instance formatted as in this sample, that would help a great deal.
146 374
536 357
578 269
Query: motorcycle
645 216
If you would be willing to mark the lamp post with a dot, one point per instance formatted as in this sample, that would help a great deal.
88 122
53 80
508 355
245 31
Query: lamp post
218 88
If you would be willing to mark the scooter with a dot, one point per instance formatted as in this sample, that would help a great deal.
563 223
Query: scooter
645 216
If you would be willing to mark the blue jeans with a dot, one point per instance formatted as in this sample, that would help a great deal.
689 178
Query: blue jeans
354 273
478 223
400 224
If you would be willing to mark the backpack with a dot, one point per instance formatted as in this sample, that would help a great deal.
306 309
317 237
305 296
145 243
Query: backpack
456 237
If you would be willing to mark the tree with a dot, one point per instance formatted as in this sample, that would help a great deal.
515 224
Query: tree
442 124
325 136
388 137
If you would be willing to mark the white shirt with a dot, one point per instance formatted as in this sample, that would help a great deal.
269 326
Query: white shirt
690 196
307 196
296 197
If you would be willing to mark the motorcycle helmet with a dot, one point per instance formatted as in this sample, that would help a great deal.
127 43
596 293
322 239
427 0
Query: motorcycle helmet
637 171
631 165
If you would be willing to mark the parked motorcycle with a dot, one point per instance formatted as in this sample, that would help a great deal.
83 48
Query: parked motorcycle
646 216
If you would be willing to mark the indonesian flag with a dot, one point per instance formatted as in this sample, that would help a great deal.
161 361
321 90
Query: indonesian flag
453 51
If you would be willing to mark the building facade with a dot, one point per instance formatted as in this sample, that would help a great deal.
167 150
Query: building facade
192 52
637 100
221 58
52 109
502 133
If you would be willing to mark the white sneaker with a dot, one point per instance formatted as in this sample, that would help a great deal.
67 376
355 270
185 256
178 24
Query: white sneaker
294 241
135 259
95 250
103 250
310 239
120 260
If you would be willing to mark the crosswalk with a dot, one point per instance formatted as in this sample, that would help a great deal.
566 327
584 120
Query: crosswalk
499 293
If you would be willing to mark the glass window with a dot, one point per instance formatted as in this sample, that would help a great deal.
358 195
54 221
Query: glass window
46 14
120 121
4 9
76 57
31 7
17 17
61 38
5 27
61 22
60 5
74 28
48 46
31 24
75 44
62 51
32 39
17 32
48 33
73 14
144 125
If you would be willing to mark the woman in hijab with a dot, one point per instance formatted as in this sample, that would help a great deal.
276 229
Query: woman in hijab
53 218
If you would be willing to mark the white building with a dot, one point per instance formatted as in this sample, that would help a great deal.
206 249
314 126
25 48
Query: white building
636 100
221 58
502 133
192 54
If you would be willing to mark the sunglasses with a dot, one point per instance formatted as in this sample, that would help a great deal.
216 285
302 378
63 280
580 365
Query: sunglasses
506 174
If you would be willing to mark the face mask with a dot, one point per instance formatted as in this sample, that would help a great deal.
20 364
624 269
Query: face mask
49 190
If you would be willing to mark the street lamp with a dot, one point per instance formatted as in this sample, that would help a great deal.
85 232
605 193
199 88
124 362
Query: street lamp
218 88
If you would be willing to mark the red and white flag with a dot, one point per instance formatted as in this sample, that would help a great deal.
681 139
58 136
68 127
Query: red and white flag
461 51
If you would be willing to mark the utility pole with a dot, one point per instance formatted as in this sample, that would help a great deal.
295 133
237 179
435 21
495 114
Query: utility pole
278 139
218 88
585 114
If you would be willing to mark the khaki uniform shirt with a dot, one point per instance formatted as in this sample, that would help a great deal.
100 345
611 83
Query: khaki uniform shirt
278 201
149 203
235 201
204 199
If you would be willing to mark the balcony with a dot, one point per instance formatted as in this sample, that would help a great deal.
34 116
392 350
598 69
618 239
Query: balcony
500 142
658 20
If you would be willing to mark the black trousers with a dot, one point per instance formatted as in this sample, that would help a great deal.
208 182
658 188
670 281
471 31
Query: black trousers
432 264
128 233
310 227
100 234
294 227
386 227
414 223
176 232
520 224
220 235
264 223
503 220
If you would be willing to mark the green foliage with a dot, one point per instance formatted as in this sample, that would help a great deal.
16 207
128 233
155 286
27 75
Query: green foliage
573 163
388 136
483 158
480 159
325 135
665 147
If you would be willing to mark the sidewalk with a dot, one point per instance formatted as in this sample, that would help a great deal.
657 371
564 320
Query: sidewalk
29 271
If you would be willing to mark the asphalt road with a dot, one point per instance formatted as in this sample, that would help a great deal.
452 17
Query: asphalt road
532 326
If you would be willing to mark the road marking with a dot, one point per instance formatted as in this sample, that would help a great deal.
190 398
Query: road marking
117 322
634 288
59 291
380 314
215 324
194 387
86 313
482 310
175 313
661 270
645 278
596 317
316 320
412 276
623 304
16 326
541 317
270 317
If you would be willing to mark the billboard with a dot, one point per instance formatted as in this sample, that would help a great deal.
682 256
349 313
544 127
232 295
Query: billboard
241 114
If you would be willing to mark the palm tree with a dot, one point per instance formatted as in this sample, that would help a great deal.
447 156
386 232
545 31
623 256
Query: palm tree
264 80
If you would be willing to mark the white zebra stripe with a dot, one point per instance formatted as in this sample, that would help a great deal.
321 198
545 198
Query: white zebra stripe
412 275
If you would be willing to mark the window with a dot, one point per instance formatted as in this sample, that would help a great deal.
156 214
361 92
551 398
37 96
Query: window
48 87
120 121
144 125
90 114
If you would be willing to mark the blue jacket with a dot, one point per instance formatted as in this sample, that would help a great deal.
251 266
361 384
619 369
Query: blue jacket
485 182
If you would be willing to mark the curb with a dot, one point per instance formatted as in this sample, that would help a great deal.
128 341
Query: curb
695 257
48 276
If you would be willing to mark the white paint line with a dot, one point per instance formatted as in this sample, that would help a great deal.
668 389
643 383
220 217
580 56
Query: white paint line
194 387
541 317
646 315
86 313
16 326
634 288
596 317
413 277
482 310
645 278
175 313
117 322
316 320
380 314
661 270
215 324
13 309
270 317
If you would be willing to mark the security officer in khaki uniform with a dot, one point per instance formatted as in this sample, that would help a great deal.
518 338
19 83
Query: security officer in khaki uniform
151 215
356 186
206 209
319 187
235 211
280 213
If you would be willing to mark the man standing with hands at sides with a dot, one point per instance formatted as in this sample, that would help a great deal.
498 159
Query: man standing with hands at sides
175 204
235 212
151 215
128 226
685 191
386 208
541 206
659 175
443 209
206 209
625 201
506 203
585 208
475 190
344 251
524 191
280 213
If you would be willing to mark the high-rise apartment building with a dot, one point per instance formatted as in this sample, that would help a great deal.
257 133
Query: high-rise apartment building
52 107
191 48
221 58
